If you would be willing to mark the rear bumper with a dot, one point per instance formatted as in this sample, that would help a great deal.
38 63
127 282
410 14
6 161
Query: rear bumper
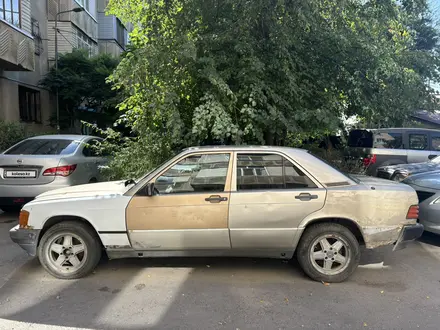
11 192
26 238
407 234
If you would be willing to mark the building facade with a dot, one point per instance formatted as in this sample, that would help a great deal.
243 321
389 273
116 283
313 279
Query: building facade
112 34
27 50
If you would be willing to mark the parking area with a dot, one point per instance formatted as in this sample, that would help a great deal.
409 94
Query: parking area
391 290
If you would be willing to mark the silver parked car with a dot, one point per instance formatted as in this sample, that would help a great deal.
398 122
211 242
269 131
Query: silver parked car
427 186
392 146
403 171
42 163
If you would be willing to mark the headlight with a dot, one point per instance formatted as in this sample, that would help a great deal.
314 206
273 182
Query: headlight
399 176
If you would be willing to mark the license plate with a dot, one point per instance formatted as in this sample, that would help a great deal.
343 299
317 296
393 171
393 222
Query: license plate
20 174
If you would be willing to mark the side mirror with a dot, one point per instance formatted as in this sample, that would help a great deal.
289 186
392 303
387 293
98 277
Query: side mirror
149 189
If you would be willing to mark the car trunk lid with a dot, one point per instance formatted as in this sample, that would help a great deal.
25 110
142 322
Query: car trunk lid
26 169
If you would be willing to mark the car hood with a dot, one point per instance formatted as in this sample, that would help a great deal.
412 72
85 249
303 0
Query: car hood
87 190
412 168
430 180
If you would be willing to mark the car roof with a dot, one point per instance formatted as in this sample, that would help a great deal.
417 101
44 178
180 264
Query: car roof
77 137
243 148
399 129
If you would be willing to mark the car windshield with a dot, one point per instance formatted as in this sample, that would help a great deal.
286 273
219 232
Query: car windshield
44 147
154 169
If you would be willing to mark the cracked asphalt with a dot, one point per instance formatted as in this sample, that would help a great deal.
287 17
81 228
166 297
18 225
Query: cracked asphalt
390 290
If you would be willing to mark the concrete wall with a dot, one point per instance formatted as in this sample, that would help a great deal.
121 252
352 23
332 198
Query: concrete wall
11 80
110 47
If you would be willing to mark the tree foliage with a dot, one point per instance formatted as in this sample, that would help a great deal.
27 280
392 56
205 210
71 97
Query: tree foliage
268 71
81 83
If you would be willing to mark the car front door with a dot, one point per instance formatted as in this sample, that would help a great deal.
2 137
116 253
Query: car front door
270 198
189 210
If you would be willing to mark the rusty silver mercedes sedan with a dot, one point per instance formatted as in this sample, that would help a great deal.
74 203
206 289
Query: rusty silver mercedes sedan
222 201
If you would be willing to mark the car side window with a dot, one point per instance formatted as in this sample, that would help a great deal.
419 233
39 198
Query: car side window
435 142
195 173
269 171
418 141
90 148
388 140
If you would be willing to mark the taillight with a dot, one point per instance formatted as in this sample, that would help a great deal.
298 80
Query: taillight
413 212
23 219
369 160
60 170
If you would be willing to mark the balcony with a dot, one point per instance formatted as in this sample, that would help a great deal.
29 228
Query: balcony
16 49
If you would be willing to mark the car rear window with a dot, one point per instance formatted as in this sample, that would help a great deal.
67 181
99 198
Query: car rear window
360 138
44 147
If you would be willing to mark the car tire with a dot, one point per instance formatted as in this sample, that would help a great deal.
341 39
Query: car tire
328 262
62 257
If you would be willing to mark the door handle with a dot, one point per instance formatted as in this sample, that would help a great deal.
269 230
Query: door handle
216 199
432 156
306 197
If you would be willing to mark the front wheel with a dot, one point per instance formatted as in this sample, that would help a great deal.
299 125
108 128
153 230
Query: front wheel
69 250
328 252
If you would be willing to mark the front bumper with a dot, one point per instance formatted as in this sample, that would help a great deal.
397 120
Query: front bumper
26 238
407 234
383 174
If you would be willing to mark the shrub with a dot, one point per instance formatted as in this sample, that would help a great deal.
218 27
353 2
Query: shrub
11 133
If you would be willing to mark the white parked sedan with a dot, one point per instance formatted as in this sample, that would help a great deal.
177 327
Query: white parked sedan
222 201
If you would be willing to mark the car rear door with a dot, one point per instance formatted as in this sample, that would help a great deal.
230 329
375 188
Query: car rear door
270 197
91 161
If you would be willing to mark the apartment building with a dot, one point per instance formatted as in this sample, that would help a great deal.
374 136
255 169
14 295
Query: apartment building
27 50
112 34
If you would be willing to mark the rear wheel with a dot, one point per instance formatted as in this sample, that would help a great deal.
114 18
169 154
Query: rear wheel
328 252
69 250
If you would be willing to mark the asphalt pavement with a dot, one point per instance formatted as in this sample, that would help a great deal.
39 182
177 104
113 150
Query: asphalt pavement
390 290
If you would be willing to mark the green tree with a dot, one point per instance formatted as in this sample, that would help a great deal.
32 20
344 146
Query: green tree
268 71
81 82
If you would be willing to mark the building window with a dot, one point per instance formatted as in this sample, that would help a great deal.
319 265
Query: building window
10 11
84 42
84 3
89 6
120 33
29 103
37 37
